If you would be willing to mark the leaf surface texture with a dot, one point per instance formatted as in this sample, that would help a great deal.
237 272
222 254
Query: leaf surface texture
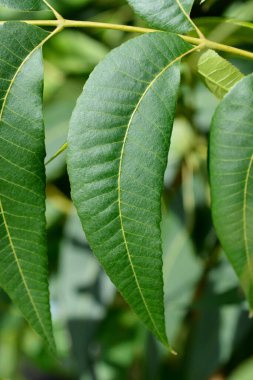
118 147
169 15
23 260
219 74
24 5
231 171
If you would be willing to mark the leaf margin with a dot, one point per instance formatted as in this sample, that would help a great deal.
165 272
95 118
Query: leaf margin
71 165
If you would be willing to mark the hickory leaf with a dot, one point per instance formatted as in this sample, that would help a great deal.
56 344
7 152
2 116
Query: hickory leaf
219 74
24 5
23 260
231 172
169 15
118 147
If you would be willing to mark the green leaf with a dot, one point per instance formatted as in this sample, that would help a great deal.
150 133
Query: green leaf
23 260
231 171
243 372
24 5
219 74
118 146
244 24
169 15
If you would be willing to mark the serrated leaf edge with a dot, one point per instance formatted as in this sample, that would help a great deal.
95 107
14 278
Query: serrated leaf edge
21 271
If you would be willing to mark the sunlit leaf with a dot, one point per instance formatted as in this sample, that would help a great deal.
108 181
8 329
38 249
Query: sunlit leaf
219 75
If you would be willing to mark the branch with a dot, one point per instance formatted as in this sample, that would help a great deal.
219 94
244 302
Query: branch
134 29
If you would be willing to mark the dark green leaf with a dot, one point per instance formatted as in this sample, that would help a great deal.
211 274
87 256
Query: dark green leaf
23 261
118 146
169 15
231 171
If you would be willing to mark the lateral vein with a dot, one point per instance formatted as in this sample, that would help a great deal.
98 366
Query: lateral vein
119 182
12 246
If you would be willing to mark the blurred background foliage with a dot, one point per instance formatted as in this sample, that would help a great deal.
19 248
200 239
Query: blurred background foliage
98 337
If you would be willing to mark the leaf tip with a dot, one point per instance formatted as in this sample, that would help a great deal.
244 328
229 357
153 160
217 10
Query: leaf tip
170 349
173 352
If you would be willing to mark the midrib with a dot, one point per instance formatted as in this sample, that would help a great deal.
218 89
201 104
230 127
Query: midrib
119 183
21 271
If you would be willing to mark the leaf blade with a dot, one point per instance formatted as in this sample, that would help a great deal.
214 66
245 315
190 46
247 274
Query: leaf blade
169 15
28 5
219 74
114 99
231 167
23 272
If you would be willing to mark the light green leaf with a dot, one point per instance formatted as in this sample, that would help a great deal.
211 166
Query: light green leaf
118 146
231 171
243 372
169 15
219 75
23 261
244 24
24 5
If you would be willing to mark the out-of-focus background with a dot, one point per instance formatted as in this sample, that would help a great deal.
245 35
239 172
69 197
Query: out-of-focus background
97 335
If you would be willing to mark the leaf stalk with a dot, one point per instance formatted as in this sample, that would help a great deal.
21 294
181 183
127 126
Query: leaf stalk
135 29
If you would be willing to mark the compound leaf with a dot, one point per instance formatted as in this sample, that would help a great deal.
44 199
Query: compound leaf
231 171
23 260
219 74
118 146
169 15
27 5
